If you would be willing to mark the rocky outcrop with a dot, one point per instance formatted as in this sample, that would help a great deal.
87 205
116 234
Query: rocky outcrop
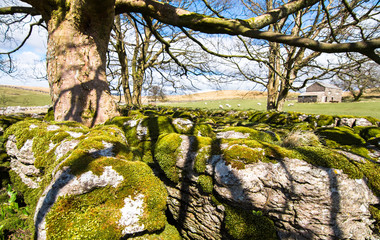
82 183
304 201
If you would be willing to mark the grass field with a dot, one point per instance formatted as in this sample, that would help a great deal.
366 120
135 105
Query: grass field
21 97
362 108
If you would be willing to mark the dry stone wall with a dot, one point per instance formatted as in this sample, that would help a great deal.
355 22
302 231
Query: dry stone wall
219 175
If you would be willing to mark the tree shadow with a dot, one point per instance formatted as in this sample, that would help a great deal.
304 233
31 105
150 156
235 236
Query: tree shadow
80 95
291 196
50 198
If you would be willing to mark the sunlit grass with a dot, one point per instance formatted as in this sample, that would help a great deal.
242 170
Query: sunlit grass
362 108
20 97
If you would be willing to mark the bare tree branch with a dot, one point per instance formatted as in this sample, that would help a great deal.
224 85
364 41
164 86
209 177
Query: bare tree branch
14 10
25 39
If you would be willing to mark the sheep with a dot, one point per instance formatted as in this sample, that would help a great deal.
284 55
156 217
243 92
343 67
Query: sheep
290 104
221 106
238 105
228 105
258 103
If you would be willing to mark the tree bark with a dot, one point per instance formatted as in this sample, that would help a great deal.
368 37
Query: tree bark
79 34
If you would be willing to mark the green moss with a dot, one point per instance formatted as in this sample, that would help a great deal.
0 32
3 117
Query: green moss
254 134
368 133
166 153
302 126
204 130
191 115
324 120
259 117
49 117
96 213
245 224
239 155
372 171
328 158
168 233
205 183
250 151
344 138
80 159
93 215
341 135
375 212
201 159
30 196
22 131
202 146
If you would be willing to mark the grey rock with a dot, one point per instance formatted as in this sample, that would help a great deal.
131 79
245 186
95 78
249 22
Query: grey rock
65 147
362 122
347 122
232 135
198 217
66 184
183 124
305 202
24 154
28 174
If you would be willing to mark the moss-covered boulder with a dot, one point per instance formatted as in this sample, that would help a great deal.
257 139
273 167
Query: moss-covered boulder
248 133
343 138
82 183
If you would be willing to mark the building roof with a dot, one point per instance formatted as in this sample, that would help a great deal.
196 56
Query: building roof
326 85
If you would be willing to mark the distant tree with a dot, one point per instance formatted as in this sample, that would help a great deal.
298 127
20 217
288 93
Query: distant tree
4 100
357 77
156 93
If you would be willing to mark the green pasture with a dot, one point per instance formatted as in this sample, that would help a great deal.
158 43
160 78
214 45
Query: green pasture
20 97
362 108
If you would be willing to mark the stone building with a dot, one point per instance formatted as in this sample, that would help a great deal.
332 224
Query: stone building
321 92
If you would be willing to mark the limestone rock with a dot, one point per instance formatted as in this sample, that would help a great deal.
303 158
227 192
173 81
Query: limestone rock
305 202
362 122
24 154
231 134
198 217
66 184
183 125
349 122
88 184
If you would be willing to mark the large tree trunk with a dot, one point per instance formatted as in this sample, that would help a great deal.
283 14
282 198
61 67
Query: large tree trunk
79 33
